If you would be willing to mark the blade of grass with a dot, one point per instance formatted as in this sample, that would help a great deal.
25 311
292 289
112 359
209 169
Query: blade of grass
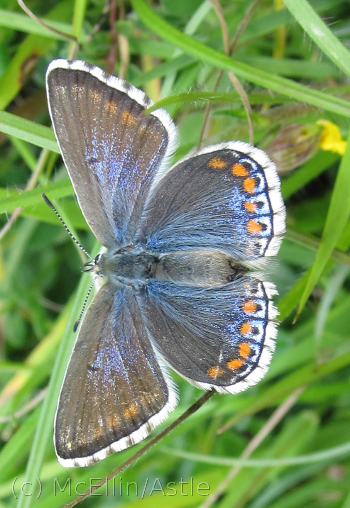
78 20
337 217
27 130
329 454
55 190
319 32
23 23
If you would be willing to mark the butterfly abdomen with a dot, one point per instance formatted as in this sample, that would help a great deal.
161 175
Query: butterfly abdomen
201 268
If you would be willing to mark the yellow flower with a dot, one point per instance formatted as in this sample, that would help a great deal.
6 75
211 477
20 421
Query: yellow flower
330 138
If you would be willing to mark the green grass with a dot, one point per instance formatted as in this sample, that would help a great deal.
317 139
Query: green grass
175 53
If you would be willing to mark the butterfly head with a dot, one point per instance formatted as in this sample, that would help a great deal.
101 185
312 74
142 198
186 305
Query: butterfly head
93 266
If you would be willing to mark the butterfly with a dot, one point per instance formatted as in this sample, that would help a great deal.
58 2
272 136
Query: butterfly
182 245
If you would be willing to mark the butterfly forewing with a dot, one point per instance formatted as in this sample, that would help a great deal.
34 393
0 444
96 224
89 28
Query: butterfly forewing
94 117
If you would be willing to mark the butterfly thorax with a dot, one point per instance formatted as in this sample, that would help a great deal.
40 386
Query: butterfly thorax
128 265
137 266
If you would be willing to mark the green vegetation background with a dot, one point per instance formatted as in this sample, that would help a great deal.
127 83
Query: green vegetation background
294 64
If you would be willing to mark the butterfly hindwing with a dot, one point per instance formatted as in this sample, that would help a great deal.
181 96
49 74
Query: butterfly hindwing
218 337
114 391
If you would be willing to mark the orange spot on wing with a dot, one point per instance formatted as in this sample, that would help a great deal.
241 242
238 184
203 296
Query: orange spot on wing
254 227
250 207
131 411
239 170
249 185
236 363
113 422
110 106
217 163
244 350
245 328
128 118
215 371
249 307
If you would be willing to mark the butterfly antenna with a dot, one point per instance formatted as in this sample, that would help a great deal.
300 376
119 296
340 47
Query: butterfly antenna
48 202
76 324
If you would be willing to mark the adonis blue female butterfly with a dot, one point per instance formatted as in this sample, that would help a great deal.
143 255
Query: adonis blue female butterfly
181 245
